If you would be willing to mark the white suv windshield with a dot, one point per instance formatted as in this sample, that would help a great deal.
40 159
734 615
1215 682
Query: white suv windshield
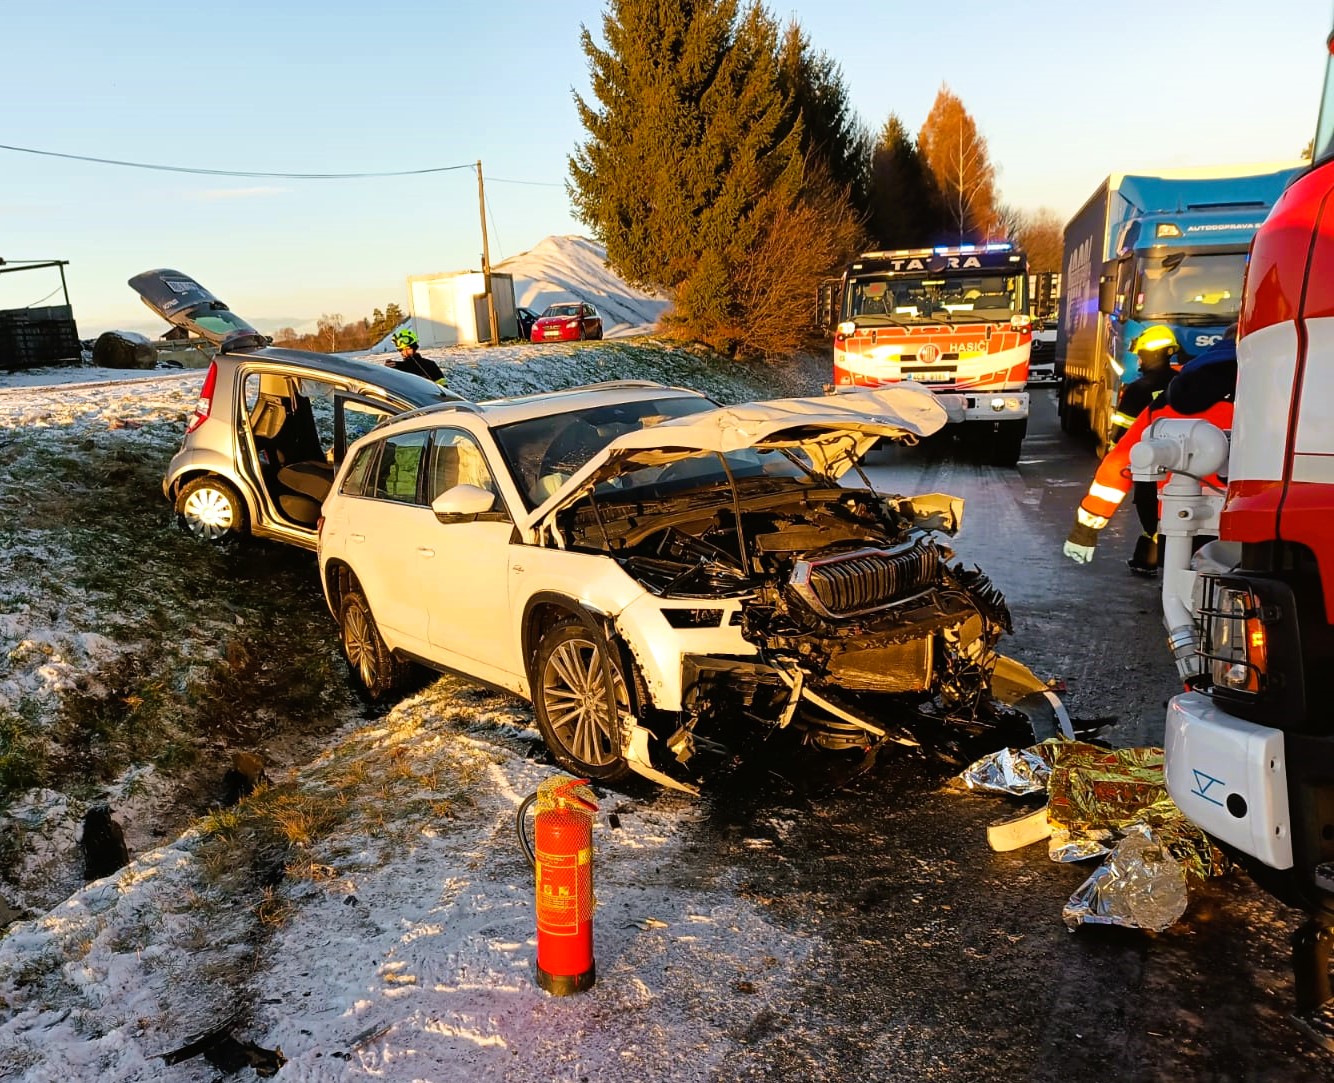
542 452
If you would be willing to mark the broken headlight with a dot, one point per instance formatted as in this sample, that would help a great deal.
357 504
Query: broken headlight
693 618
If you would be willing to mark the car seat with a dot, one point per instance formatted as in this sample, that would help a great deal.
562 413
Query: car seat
443 474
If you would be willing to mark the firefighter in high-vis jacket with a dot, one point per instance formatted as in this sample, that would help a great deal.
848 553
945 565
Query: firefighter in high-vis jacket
1158 350
1204 390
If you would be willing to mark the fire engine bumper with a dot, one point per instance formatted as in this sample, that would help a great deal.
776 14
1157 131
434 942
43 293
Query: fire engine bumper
986 405
1229 777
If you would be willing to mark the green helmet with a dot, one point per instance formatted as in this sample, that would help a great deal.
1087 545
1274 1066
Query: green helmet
405 336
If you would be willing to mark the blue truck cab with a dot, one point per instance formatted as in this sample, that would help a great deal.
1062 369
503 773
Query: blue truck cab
1153 250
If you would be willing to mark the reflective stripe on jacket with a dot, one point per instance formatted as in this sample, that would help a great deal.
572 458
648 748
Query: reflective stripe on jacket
1113 481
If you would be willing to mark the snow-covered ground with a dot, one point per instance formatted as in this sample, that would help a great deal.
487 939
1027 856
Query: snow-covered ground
398 942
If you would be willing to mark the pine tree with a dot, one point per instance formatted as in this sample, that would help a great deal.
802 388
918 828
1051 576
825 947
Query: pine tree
831 130
957 157
643 127
906 208
693 149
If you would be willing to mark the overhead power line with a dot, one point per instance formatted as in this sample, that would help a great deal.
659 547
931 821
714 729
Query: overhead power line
234 172
534 184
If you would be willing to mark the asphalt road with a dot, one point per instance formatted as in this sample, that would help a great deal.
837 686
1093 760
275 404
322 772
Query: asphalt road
944 960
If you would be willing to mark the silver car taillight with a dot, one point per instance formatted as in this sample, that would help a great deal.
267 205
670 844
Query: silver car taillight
204 406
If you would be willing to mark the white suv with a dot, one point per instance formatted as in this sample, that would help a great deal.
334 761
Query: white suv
663 578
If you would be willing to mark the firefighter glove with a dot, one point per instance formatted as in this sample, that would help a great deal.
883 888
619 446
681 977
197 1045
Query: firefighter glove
1081 543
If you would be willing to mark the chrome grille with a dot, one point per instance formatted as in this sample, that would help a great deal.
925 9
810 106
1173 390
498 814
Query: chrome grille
865 580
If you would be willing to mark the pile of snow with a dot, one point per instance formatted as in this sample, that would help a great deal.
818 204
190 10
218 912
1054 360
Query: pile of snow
575 269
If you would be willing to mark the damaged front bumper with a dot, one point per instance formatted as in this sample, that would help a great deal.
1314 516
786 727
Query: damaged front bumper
728 700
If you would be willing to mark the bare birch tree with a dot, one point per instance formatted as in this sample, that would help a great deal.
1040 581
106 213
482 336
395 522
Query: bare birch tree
956 155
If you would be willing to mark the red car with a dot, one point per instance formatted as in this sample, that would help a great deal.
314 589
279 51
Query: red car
567 320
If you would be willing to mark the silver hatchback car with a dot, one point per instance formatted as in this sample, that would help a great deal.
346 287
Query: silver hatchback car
271 425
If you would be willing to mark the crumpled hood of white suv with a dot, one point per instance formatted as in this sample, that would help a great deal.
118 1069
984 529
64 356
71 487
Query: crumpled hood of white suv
832 431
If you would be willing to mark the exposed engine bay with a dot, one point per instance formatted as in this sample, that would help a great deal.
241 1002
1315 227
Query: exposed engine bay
864 632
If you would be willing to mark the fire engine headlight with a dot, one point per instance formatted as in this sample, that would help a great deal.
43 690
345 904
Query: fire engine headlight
998 405
1236 642
847 327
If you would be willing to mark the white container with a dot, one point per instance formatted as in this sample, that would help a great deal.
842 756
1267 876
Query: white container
450 309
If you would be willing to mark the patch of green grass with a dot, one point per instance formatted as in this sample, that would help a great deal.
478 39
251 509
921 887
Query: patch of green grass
230 644
23 755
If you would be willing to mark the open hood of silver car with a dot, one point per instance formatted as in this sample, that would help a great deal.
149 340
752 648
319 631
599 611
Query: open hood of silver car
833 432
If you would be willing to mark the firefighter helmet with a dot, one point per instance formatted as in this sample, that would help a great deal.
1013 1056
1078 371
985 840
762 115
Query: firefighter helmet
1157 348
405 336
1156 338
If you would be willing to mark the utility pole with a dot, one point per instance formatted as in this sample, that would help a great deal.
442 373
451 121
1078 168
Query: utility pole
486 261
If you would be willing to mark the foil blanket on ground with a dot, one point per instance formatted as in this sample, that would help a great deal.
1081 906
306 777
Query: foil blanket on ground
1104 800
1140 886
1014 771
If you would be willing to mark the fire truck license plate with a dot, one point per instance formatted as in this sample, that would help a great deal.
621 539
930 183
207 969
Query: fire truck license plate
930 377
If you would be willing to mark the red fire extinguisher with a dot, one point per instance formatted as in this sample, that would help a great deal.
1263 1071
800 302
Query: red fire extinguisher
561 853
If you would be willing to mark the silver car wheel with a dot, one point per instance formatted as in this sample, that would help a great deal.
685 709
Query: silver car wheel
376 672
209 508
359 643
209 513
574 694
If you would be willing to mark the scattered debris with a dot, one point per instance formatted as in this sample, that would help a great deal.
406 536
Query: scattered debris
231 1055
102 843
1011 770
1102 802
245 773
370 1034
8 913
1140 886
1021 831
217 1046
647 923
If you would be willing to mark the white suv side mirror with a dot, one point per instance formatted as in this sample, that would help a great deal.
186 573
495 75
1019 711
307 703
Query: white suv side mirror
462 500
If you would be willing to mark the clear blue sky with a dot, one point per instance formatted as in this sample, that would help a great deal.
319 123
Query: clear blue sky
1064 92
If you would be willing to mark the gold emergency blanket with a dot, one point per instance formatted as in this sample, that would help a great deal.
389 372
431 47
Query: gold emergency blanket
1095 795
1104 801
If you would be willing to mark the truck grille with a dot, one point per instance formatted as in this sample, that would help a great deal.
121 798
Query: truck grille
850 584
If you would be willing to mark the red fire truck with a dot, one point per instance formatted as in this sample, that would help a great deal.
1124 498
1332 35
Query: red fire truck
954 318
1250 750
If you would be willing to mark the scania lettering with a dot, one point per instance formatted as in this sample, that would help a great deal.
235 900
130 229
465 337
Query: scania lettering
956 318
